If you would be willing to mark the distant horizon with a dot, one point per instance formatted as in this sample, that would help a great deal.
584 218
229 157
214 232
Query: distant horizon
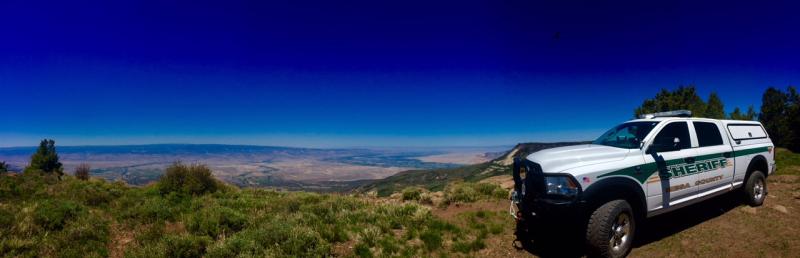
297 147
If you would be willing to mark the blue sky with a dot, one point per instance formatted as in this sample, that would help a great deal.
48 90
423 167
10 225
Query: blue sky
373 73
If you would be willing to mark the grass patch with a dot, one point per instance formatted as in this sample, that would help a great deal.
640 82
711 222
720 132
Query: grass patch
471 192
787 162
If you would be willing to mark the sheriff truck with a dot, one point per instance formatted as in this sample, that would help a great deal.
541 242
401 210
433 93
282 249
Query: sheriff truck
636 170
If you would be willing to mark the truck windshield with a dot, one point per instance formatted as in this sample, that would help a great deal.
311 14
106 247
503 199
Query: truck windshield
627 135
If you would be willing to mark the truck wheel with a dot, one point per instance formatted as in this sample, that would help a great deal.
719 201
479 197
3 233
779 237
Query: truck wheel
611 229
755 189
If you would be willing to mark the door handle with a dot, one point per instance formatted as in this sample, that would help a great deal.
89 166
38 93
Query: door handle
689 160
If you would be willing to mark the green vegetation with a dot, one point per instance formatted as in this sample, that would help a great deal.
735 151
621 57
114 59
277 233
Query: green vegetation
471 192
436 179
3 167
685 97
45 159
787 162
187 179
738 115
184 215
780 114
780 111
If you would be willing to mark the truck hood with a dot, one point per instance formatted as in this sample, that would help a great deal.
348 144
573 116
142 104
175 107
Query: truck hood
562 158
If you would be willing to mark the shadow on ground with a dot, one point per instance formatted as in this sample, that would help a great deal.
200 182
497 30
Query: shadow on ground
651 230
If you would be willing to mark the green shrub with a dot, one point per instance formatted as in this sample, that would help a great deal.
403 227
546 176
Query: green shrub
362 250
53 214
186 245
471 192
187 179
216 221
84 236
432 239
412 194
3 168
6 221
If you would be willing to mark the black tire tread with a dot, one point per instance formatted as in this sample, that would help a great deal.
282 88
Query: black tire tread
597 230
748 188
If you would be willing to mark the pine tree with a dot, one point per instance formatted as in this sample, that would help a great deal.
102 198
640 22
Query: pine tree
685 97
751 113
715 109
792 140
45 159
774 116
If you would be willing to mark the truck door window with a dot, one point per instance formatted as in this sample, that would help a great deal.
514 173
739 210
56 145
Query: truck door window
667 135
707 134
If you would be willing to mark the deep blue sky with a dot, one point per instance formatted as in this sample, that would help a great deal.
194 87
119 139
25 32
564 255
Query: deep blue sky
373 73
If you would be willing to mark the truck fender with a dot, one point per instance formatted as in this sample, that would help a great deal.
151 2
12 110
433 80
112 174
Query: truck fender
617 187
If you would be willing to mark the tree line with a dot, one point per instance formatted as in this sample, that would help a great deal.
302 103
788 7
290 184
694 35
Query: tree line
779 112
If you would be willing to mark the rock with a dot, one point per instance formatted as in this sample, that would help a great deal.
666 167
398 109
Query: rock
796 195
780 208
748 209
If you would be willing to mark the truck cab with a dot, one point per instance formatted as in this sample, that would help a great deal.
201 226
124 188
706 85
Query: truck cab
639 169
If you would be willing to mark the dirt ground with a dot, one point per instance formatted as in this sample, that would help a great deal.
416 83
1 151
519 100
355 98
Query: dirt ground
719 227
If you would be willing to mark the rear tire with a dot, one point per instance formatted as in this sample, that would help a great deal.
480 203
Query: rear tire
611 230
755 189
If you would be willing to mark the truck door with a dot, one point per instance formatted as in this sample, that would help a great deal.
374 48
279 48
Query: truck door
714 158
671 152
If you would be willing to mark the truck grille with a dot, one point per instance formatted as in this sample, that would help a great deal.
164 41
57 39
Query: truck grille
528 178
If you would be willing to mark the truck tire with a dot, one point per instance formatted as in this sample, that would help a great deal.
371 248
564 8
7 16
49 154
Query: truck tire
611 229
755 189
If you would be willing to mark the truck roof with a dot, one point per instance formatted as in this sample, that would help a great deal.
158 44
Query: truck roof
724 121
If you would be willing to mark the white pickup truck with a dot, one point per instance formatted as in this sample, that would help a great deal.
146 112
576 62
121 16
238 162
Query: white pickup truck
639 169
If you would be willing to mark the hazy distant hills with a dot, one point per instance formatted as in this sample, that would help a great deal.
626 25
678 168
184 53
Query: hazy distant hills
248 165
437 179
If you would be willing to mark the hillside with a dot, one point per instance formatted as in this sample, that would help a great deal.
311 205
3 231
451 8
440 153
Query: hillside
42 216
436 179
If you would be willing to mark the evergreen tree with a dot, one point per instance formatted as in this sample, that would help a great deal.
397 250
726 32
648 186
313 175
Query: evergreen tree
792 140
685 97
736 114
46 159
715 109
3 167
751 113
773 115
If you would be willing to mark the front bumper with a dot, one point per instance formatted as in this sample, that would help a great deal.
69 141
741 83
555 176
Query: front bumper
529 204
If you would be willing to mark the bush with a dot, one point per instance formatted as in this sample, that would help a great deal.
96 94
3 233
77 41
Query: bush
471 192
82 171
412 193
216 221
85 236
3 167
187 179
52 214
432 239
186 246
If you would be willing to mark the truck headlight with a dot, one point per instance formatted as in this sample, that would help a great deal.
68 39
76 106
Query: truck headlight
563 186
